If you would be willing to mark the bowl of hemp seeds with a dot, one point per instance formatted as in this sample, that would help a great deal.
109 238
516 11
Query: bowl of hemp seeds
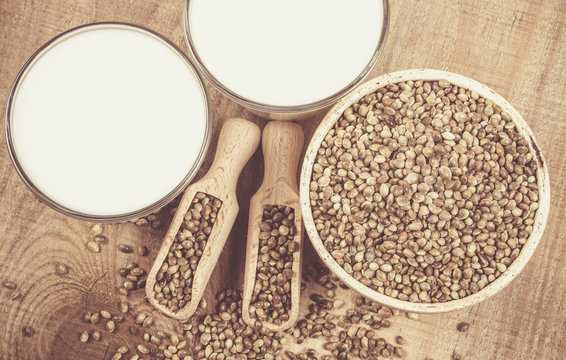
425 191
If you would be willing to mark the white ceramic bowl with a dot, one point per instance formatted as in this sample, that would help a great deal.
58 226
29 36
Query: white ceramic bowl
425 74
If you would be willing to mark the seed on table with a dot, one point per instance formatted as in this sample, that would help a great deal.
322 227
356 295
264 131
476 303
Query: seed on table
123 291
133 330
141 250
202 304
84 337
463 327
400 352
61 269
93 247
142 349
400 340
28 331
140 318
96 229
147 321
110 326
125 248
124 307
95 318
96 335
137 271
116 356
122 349
134 357
86 316
9 285
14 295
155 340
105 314
101 239
413 316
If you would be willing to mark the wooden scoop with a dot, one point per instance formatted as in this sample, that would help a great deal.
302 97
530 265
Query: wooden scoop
282 146
237 142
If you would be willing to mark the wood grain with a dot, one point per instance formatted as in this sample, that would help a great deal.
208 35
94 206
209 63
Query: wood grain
518 48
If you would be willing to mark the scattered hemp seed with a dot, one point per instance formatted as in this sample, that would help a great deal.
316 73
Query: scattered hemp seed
84 337
9 285
105 314
110 326
93 247
96 229
463 327
125 248
61 269
142 349
96 335
141 250
28 331
101 239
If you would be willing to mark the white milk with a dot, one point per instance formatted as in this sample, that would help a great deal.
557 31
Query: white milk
285 52
108 121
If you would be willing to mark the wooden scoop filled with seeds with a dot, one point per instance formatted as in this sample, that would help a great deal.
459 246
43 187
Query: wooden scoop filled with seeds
201 226
272 278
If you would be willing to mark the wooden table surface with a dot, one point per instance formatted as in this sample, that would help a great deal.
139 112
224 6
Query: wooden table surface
516 47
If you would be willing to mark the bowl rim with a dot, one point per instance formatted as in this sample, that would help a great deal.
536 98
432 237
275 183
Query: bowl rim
286 109
149 208
462 81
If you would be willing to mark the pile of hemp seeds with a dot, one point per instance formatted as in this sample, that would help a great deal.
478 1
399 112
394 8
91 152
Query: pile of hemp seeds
424 191
271 297
173 287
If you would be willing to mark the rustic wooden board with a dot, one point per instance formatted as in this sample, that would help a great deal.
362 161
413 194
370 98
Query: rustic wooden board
517 48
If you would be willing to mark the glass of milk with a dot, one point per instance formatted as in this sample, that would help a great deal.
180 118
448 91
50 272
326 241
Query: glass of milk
107 122
287 59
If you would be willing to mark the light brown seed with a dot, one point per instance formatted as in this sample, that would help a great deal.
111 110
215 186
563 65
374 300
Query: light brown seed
463 326
110 326
9 285
142 349
93 247
61 269
96 229
84 337
125 248
28 331
141 250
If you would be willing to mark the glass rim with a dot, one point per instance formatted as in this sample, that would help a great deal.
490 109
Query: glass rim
132 215
287 109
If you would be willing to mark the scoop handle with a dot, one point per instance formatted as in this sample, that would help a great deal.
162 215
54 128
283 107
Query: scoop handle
282 144
237 142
